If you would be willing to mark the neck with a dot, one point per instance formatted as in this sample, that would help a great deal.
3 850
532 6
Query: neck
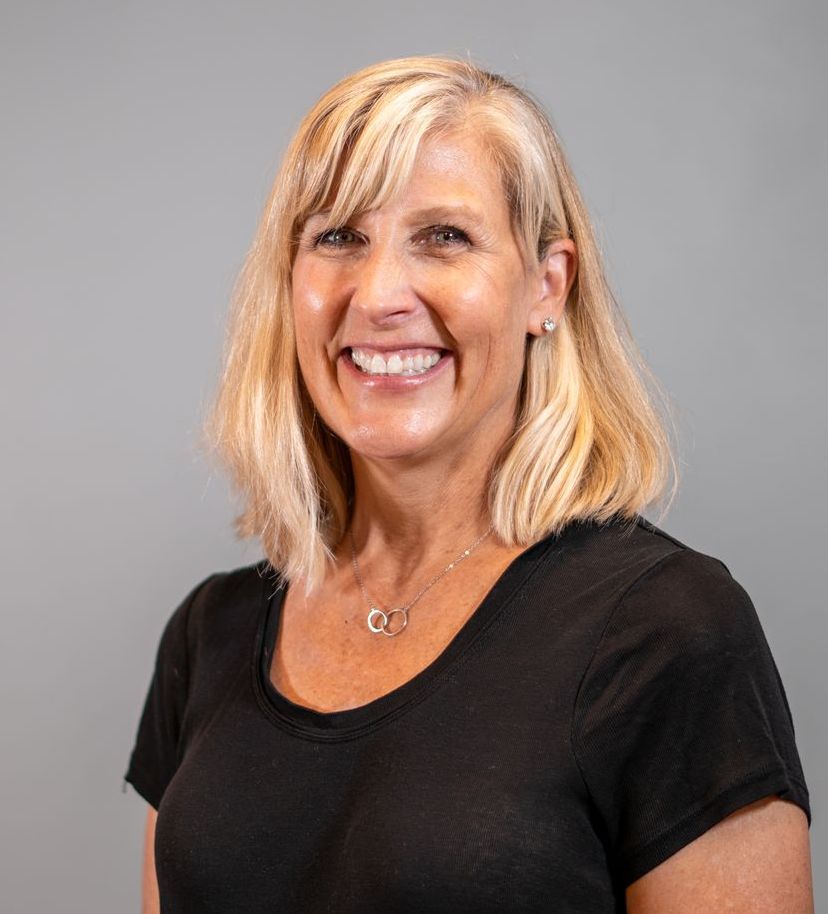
410 521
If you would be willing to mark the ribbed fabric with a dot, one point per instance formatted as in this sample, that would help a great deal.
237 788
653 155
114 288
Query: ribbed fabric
611 699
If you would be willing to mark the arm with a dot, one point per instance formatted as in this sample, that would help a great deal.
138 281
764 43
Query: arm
755 861
150 903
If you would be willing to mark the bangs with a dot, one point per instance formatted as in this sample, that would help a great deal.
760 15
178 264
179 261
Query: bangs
357 160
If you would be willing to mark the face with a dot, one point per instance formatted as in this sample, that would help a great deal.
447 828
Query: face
411 320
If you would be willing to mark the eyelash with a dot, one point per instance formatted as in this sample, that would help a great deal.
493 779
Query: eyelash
462 237
319 240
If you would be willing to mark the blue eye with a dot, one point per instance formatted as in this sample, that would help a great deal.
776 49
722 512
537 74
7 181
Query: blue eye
336 238
448 235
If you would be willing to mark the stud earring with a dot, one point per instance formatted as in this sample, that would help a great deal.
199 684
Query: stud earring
548 325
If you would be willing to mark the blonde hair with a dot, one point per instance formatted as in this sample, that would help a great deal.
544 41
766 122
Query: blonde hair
589 441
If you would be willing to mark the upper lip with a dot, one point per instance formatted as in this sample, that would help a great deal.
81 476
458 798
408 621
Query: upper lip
394 347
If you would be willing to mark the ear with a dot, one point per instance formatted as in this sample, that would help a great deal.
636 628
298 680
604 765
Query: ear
556 273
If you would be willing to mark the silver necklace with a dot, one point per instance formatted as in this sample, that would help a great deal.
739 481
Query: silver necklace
384 616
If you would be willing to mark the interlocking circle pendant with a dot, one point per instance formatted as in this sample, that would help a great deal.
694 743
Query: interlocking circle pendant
384 620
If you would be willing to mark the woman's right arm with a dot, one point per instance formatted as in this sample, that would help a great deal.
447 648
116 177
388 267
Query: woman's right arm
150 903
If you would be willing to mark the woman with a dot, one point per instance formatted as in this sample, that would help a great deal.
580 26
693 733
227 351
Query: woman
469 676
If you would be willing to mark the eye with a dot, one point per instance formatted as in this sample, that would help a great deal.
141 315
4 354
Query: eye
335 238
447 236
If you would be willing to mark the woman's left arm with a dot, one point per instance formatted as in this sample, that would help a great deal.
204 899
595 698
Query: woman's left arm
755 860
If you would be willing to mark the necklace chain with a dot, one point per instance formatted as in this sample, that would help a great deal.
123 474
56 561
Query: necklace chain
384 616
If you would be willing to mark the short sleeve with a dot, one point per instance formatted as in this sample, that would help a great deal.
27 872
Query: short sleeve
156 752
681 717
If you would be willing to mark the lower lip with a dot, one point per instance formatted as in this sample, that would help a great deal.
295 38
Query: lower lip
394 381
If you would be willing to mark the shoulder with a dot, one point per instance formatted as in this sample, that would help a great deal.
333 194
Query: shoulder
662 582
642 592
681 626
220 606
690 600
230 591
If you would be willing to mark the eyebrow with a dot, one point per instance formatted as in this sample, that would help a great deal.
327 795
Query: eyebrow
444 212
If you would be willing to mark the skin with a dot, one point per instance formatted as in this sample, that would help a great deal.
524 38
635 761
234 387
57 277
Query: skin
150 902
756 861
439 264
396 276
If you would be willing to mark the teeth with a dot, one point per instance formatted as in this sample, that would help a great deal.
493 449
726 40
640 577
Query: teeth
376 364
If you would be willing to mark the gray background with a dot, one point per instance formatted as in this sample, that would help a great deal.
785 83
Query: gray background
139 141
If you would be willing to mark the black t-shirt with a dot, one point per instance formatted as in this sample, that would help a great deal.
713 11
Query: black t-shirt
611 699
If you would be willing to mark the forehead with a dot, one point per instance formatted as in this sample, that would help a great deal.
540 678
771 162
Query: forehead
449 170
455 163
459 156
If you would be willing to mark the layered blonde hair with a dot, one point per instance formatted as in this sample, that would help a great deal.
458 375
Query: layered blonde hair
591 440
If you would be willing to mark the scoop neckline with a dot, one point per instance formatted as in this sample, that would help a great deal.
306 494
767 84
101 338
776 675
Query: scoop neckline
346 724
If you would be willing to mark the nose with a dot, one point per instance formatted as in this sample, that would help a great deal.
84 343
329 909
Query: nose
383 292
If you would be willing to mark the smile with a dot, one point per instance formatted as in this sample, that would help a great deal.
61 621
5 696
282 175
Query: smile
404 362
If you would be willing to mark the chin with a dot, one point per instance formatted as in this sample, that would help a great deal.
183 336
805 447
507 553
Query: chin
371 445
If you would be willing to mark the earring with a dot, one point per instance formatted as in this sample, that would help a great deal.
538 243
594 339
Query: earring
548 325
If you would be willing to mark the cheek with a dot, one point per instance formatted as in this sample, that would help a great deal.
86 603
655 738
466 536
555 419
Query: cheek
313 300
314 308
306 322
490 319
467 304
